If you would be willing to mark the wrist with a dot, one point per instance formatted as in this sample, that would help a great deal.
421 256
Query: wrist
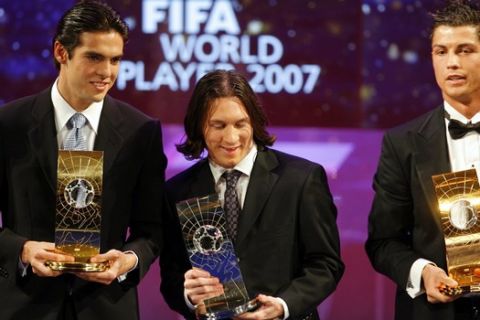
131 261
24 254
427 268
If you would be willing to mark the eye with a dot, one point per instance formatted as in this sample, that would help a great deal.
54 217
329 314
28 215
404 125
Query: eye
94 57
242 124
466 49
217 125
439 52
116 60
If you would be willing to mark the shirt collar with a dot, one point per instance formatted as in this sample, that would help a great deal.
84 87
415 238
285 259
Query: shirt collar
63 110
245 166
454 114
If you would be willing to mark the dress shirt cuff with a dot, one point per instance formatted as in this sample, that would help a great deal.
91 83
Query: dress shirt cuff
286 313
187 301
414 283
22 267
122 277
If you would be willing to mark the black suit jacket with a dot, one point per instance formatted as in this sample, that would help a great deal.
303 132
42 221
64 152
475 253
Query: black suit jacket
133 184
404 222
287 241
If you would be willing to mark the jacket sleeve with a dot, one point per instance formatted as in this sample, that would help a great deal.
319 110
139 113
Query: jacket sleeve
389 243
174 262
145 224
321 264
11 244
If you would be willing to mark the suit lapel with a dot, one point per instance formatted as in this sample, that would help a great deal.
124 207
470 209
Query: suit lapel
43 137
259 189
203 183
432 153
109 139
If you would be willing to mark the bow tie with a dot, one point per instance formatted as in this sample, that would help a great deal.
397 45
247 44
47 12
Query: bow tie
458 129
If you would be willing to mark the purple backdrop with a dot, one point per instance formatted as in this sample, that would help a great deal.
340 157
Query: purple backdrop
332 75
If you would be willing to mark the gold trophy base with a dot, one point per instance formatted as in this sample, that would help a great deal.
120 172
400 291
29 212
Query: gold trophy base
202 314
460 290
468 278
77 266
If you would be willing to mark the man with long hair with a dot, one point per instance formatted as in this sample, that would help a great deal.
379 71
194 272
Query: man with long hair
286 236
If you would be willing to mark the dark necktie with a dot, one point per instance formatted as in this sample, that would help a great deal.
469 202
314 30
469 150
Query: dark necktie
75 139
231 204
458 129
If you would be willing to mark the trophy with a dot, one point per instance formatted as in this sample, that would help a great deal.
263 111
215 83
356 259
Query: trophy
458 195
78 210
209 248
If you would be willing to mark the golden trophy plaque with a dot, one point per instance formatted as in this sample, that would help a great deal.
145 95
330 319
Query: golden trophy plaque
78 210
458 195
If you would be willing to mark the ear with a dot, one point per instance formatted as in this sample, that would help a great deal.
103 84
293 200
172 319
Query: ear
60 53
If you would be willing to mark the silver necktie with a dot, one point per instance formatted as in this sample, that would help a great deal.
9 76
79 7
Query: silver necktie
75 139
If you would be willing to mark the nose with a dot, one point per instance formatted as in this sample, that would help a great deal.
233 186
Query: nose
453 61
230 135
104 69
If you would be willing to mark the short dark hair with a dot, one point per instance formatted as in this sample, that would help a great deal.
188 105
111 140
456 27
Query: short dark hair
214 85
87 16
457 13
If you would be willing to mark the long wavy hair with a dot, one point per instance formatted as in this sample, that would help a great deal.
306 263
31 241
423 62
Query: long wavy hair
214 85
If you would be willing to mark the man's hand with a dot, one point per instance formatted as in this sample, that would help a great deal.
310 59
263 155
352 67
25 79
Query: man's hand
118 261
200 285
433 278
270 308
37 253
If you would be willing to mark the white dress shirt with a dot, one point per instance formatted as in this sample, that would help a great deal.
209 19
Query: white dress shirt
63 112
245 166
464 153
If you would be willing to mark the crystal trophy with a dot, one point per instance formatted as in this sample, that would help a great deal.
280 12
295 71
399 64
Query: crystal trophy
458 195
78 210
209 248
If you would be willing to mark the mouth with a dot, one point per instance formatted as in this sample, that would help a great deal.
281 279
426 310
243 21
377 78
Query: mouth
456 78
230 150
100 85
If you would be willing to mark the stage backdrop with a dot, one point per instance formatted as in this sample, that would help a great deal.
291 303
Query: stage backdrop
332 75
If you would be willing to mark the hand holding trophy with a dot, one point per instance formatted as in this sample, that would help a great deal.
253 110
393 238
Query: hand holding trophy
210 249
78 210
458 195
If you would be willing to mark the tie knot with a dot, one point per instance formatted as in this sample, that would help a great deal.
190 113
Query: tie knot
77 121
231 177
458 129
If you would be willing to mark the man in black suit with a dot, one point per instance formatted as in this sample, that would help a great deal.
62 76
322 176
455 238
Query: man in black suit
405 240
286 237
87 49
